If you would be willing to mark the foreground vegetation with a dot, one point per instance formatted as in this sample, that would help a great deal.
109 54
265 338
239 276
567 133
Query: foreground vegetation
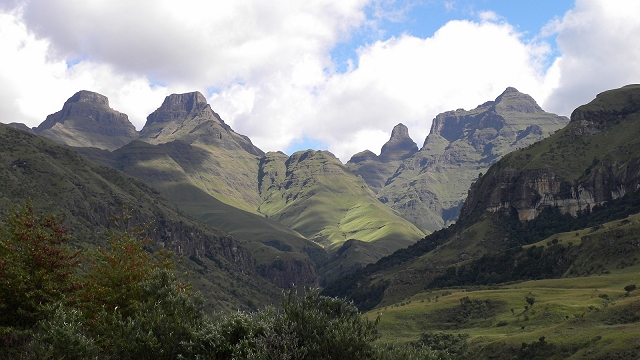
124 302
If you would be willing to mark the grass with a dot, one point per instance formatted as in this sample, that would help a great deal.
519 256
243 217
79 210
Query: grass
322 200
570 312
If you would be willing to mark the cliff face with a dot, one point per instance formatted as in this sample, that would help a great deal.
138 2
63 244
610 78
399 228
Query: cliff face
86 120
429 187
596 158
376 170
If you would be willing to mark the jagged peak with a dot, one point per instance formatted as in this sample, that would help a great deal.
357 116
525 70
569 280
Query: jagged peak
186 102
513 100
182 106
400 144
399 132
90 109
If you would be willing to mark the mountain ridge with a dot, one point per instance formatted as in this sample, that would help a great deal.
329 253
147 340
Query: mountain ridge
87 120
496 220
429 186
219 177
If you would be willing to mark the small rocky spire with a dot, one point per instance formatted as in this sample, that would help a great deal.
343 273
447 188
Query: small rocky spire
399 145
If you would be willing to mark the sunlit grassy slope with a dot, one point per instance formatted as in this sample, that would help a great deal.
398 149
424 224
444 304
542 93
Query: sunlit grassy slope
587 317
190 176
322 200
584 316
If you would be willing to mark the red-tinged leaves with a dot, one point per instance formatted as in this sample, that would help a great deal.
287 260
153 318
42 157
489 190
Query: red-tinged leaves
116 272
37 267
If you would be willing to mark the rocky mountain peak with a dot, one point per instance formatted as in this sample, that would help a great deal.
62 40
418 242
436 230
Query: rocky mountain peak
399 146
180 106
492 114
188 117
513 100
86 120
85 96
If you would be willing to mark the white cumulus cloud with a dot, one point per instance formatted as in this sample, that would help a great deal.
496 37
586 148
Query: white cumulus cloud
266 67
600 50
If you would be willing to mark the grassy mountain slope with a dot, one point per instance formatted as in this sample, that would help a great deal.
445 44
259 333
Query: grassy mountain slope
585 314
321 199
578 318
61 182
313 193
176 169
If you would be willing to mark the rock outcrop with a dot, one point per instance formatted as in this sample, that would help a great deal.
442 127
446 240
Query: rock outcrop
86 120
188 117
376 170
400 146
429 187
595 159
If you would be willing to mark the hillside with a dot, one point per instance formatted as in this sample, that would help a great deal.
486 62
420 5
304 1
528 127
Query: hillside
313 193
527 196
294 211
429 186
86 195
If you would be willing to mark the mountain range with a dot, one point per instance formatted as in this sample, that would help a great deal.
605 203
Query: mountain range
428 186
581 176
503 204
308 218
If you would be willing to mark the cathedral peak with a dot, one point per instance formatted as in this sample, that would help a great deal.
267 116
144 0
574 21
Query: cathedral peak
399 146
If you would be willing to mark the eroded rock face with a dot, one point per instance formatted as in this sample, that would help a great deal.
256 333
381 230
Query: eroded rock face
376 170
400 146
429 186
188 117
595 159
86 120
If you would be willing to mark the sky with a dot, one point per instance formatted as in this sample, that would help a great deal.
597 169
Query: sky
333 75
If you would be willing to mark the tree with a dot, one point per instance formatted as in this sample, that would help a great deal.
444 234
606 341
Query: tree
530 300
116 271
37 268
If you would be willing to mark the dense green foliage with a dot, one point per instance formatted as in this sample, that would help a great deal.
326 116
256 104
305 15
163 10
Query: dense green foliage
511 265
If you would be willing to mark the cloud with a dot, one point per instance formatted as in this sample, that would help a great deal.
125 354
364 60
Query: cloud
405 79
266 68
137 52
195 42
35 84
600 50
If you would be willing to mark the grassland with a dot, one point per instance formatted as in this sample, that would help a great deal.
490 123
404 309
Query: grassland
583 317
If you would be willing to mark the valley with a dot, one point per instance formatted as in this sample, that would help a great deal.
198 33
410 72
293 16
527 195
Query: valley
511 233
